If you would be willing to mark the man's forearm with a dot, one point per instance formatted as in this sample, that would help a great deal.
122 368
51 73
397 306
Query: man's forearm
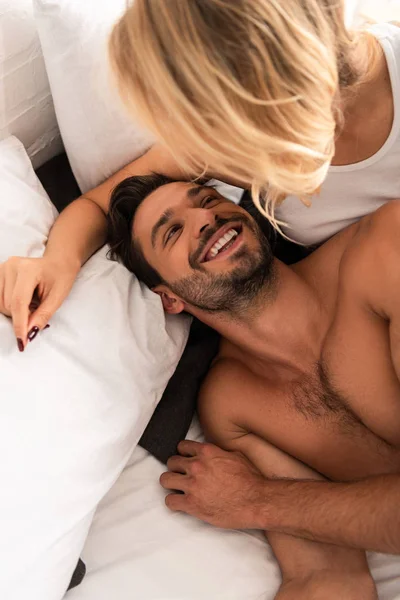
78 232
363 514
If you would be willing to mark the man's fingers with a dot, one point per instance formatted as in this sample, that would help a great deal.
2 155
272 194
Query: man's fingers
179 464
173 481
189 448
20 301
176 502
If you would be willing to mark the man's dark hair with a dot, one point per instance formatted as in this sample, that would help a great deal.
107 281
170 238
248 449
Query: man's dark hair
125 200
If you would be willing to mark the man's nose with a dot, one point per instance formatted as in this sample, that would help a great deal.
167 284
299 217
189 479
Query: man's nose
202 219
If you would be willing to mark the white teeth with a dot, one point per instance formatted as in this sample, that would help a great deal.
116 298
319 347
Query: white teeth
222 242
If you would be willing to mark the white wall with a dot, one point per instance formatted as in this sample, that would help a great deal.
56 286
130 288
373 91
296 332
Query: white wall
380 10
26 107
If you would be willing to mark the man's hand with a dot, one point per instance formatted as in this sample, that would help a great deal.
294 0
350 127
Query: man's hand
222 488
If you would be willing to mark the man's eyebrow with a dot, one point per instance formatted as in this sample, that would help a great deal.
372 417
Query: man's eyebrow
165 217
193 192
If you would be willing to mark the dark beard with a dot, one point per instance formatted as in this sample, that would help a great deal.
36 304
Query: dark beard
236 290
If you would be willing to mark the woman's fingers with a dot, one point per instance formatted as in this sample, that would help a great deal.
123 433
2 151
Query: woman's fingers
50 302
42 315
31 290
7 284
24 287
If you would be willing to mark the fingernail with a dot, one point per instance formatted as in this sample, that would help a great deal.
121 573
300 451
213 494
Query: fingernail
20 344
47 326
33 333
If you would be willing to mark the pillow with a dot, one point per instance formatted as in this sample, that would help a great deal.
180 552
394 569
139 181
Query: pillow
26 107
99 136
75 403
138 549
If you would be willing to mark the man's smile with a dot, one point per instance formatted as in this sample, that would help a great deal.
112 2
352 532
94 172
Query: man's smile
223 243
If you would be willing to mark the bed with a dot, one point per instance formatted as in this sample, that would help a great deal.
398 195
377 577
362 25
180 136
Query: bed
137 549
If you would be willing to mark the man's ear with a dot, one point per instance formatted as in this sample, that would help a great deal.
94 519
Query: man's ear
172 304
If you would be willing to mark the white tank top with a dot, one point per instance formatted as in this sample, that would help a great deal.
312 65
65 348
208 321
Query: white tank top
352 191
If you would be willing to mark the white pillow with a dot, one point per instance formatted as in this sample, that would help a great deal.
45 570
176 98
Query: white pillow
138 549
100 137
75 403
98 134
26 106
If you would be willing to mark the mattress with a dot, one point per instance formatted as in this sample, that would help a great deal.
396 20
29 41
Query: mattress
138 550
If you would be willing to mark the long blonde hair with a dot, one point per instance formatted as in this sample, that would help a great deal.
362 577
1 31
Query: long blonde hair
246 88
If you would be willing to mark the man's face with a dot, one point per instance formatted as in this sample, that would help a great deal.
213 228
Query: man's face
209 251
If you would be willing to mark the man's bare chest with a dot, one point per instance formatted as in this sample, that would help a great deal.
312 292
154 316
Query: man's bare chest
310 420
357 363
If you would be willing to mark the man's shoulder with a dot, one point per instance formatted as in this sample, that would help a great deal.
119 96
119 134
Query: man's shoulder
386 216
223 397
374 252
228 375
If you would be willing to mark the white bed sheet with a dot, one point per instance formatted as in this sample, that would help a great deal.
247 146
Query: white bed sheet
138 550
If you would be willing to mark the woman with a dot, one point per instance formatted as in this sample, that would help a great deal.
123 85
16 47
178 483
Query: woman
276 97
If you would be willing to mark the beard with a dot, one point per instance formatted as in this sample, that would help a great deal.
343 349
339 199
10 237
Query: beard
235 290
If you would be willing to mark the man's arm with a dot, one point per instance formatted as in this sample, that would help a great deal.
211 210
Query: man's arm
302 562
363 514
227 490
224 489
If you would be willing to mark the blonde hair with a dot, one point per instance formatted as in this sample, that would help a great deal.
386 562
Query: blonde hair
246 88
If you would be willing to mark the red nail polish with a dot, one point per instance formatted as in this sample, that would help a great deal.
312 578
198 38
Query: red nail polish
47 326
20 344
33 333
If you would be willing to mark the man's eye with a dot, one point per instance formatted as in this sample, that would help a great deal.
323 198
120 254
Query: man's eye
172 231
207 200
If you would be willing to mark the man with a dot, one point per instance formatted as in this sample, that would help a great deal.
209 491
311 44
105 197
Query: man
307 372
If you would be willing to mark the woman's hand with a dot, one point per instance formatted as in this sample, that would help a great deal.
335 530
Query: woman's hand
31 290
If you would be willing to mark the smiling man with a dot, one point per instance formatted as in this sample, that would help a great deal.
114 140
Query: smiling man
305 353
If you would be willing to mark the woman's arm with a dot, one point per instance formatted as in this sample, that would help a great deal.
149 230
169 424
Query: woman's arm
80 229
77 233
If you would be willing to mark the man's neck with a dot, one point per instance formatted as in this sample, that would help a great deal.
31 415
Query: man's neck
285 328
